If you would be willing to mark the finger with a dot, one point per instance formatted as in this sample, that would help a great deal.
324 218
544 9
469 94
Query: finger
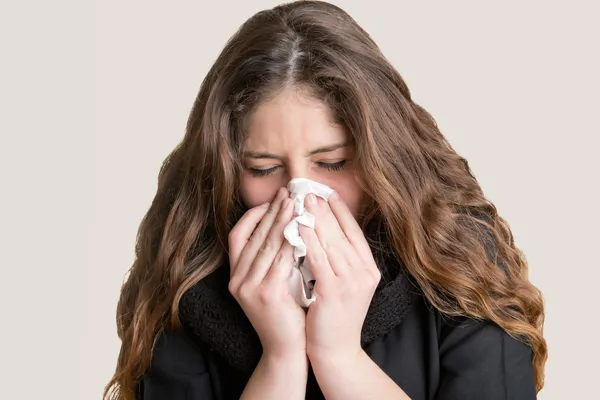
331 237
272 244
255 238
282 265
347 223
316 256
241 232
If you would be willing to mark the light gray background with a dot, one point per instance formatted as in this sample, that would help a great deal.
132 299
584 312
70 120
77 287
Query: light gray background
93 98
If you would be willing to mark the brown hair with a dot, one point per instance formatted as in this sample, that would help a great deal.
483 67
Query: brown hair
436 216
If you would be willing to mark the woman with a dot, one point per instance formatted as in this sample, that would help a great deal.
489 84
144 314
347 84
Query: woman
420 290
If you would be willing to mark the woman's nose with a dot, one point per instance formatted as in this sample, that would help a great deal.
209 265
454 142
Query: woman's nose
298 170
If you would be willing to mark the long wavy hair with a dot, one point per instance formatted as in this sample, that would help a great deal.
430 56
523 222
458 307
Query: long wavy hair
437 219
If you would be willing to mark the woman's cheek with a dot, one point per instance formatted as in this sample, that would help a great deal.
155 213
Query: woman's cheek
350 192
257 191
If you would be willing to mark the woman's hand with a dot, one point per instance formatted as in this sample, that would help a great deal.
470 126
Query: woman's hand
346 277
261 262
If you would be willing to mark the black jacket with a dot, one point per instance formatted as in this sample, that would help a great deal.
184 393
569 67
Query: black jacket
427 355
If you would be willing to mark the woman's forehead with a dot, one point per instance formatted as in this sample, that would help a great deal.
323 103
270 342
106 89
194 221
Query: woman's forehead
292 119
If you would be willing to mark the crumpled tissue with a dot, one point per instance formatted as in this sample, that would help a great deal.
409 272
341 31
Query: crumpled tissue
302 280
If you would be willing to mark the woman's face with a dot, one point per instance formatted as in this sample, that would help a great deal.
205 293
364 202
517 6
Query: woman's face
293 136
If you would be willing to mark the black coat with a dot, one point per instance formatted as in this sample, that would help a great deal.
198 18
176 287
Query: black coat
427 355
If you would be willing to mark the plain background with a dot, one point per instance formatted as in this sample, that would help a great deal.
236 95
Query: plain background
94 97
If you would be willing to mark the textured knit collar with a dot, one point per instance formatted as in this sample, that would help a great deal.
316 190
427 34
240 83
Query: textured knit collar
211 313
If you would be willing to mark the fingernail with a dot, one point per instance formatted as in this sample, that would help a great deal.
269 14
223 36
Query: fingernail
334 195
311 199
266 205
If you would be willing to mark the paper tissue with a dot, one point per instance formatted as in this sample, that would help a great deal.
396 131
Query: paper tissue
302 279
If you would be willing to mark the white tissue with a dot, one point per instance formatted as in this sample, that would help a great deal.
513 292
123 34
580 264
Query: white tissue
302 277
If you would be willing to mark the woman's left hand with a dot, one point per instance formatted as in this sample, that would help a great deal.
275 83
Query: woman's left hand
346 277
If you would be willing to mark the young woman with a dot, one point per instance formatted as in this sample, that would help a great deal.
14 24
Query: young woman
420 290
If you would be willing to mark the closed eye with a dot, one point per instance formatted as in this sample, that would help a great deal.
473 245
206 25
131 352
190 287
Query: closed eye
257 173
336 166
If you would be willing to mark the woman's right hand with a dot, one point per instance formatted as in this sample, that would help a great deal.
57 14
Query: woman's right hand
261 262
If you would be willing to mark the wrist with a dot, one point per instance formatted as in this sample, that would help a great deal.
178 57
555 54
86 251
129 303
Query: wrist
285 357
288 367
278 376
336 359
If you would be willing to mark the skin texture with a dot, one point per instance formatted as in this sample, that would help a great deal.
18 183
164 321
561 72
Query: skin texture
290 126
283 136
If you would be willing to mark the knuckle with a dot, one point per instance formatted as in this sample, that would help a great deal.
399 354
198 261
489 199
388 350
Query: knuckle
233 286
369 284
372 278
266 246
263 297
276 205
320 257
281 258
251 214
273 208
245 292
377 276
374 273
233 234
258 235
326 245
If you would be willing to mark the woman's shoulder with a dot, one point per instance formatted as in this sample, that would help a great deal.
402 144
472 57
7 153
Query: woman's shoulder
458 339
177 370
461 356
452 330
176 351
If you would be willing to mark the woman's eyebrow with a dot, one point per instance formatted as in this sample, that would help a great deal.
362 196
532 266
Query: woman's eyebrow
324 149
258 155
328 149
